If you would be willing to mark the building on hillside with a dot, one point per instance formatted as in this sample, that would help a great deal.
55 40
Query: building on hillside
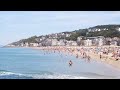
68 43
80 38
74 43
39 44
46 42
61 42
88 42
71 43
108 40
113 43
118 28
27 44
68 35
22 45
94 41
116 38
43 37
100 40
33 44
54 42
10 45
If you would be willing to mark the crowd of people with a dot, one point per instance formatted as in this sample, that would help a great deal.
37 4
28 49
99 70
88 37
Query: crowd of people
85 52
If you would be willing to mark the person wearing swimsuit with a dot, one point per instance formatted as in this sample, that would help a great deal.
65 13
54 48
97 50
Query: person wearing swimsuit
70 63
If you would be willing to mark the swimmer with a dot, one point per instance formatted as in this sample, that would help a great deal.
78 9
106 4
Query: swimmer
70 63
76 55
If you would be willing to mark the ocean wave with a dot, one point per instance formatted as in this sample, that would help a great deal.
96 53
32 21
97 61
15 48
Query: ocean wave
60 76
11 75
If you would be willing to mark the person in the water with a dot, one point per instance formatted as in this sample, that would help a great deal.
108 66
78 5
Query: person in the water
70 63
76 55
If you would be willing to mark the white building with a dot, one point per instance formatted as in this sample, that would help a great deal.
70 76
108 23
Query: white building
101 42
79 38
116 38
71 43
34 44
113 43
74 43
54 42
118 29
22 45
10 45
67 35
61 43
88 42
68 43
43 37
99 30
27 44
108 39
40 44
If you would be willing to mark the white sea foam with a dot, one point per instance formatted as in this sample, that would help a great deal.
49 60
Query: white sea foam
3 73
47 75
44 76
58 76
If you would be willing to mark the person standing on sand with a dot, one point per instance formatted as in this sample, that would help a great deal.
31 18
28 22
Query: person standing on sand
100 56
88 58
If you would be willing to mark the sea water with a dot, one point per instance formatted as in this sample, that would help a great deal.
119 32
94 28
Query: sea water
28 63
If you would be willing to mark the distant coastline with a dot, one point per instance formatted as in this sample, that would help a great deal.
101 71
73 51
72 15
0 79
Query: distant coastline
14 47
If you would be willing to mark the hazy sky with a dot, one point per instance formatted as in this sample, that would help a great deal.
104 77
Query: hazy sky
16 25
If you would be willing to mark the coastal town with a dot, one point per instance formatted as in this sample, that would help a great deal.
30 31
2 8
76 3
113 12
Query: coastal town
74 38
89 41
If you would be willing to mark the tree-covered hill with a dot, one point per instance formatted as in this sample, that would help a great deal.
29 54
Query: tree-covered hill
99 30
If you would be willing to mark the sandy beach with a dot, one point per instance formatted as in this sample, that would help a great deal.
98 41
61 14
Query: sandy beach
75 50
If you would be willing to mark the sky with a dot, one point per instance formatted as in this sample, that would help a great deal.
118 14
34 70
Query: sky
16 25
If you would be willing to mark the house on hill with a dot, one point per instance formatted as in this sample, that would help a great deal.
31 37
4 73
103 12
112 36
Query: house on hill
94 41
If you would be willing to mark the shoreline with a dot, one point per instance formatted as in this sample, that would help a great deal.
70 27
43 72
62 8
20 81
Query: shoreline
109 60
72 50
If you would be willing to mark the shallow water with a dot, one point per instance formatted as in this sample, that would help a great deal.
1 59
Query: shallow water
27 63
